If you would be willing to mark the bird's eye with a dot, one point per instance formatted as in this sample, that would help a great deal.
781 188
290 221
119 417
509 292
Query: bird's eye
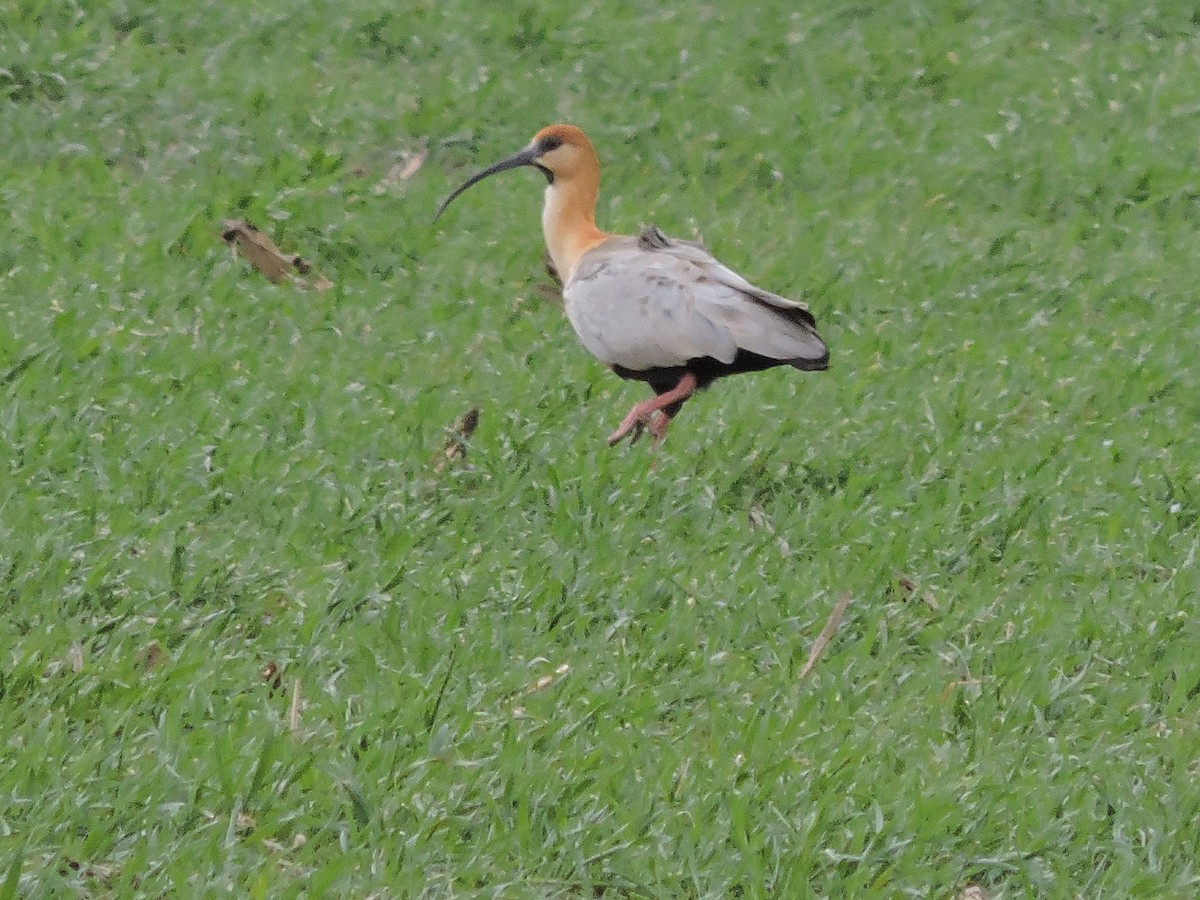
551 142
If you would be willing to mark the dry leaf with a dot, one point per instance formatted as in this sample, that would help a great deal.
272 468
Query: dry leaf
456 443
546 680
910 588
260 250
826 635
973 892
408 166
519 711
152 656
251 243
75 657
413 164
97 871
272 676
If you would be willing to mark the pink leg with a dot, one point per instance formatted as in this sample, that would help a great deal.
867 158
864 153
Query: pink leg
658 427
643 414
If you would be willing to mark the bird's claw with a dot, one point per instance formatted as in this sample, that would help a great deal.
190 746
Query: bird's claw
631 425
638 423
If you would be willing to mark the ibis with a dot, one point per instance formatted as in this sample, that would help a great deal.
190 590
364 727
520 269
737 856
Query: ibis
650 307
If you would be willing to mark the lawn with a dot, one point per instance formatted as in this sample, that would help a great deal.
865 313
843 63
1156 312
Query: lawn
262 638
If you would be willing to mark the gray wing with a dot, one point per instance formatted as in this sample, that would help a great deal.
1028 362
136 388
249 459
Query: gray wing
650 302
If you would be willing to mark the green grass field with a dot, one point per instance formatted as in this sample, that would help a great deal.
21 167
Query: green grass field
254 643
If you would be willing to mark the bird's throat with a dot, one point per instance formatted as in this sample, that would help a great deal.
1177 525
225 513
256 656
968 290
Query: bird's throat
569 223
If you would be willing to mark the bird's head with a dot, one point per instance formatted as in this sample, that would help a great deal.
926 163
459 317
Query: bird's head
560 152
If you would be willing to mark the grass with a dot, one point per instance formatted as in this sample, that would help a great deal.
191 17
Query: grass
218 491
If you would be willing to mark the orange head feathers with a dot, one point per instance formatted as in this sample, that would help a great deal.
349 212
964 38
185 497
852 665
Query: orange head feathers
566 157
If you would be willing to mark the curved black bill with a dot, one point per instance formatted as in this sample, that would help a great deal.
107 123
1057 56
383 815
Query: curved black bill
527 157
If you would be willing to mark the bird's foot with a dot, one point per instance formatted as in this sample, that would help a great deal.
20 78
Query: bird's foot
655 414
634 423
638 421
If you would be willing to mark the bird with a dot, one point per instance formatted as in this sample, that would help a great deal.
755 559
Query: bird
652 308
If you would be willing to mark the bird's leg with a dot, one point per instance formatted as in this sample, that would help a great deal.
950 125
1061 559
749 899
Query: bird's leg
642 414
659 425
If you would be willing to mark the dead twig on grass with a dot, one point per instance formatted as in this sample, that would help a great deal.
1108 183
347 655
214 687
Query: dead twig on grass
826 635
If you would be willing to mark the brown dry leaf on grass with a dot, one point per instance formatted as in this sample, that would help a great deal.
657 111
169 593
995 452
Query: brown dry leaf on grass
826 635
910 588
546 680
413 163
152 656
541 684
456 441
97 871
272 676
246 240
408 166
